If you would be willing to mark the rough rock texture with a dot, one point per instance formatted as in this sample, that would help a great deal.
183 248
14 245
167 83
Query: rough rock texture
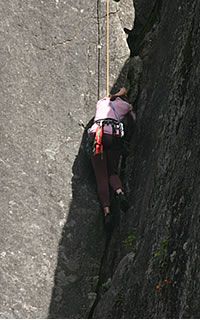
52 71
50 219
155 248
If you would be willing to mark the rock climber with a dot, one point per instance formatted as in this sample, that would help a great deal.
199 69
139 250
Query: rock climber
107 132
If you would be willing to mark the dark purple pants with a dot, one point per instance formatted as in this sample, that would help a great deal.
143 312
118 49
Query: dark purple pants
106 169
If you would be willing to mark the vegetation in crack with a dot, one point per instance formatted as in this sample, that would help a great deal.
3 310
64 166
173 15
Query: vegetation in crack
129 241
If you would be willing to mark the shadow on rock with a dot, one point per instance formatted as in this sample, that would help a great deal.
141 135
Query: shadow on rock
81 246
84 241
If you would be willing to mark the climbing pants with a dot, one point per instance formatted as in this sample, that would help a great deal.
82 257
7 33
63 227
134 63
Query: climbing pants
106 169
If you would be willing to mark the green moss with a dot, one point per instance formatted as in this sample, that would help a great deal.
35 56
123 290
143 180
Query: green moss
162 251
129 242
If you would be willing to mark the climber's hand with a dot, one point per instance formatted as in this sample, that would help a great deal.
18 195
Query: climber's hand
113 97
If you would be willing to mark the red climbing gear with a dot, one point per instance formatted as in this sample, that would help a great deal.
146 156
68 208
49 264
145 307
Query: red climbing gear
99 140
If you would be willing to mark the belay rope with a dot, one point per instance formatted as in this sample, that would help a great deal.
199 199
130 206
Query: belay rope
107 46
100 129
116 125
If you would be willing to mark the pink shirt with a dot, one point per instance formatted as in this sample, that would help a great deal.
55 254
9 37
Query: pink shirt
105 108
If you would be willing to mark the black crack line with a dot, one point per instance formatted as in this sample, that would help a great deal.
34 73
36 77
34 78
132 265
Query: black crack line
103 260
105 15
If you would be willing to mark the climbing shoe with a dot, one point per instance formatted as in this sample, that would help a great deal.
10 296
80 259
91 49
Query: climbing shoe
107 219
108 222
123 203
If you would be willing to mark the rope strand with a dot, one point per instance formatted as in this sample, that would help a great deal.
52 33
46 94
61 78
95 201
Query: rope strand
108 48
99 47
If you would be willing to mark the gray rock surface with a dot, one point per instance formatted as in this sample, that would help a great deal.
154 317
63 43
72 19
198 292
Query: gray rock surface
51 228
56 260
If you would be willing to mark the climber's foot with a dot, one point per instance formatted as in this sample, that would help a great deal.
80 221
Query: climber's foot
123 202
107 220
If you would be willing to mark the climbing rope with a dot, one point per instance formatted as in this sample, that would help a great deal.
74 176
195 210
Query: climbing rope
107 46
99 46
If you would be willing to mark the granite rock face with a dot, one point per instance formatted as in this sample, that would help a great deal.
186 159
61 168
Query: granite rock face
56 259
155 248
52 57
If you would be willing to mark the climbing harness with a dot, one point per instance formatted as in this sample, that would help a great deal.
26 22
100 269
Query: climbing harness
117 131
117 127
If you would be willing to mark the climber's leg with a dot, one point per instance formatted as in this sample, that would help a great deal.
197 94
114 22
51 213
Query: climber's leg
113 157
100 169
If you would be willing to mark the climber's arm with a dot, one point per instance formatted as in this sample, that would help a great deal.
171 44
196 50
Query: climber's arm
122 92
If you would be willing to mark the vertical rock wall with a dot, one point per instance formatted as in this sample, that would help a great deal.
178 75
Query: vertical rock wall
51 228
54 256
155 251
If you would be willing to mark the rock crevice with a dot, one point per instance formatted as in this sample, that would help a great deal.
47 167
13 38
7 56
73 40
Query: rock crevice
55 257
